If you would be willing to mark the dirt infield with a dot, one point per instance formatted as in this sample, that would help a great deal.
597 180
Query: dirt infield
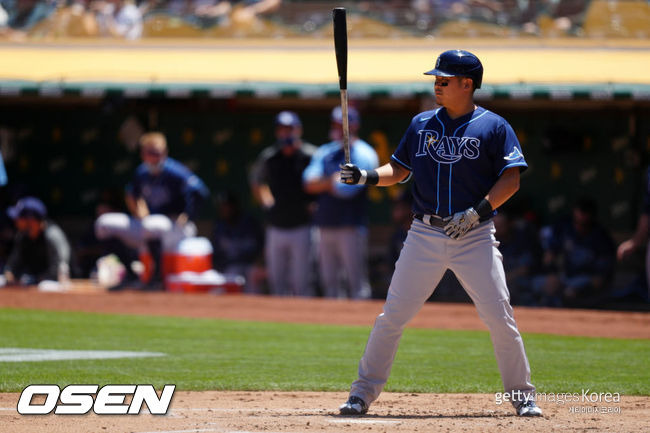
248 412
264 412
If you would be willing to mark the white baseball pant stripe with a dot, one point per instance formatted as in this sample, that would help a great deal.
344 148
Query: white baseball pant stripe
288 260
477 263
135 232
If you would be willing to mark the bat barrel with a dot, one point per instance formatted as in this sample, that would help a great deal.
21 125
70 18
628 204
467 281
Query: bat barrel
341 45
341 51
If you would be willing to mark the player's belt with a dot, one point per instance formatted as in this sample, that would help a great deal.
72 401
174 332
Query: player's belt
431 220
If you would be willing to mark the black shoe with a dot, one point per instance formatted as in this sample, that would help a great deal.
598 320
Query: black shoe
153 286
354 406
528 408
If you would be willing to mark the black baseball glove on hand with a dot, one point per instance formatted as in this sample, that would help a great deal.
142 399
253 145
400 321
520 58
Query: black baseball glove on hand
352 175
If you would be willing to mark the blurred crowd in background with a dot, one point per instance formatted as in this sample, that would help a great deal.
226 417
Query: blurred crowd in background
131 19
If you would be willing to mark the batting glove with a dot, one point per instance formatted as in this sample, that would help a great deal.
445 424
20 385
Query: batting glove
352 175
461 223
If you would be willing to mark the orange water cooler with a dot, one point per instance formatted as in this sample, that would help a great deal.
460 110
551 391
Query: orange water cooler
188 269
190 255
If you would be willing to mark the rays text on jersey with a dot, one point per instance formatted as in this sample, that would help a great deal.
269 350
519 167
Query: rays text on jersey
445 149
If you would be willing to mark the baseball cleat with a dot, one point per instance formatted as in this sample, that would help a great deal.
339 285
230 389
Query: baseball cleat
354 406
528 408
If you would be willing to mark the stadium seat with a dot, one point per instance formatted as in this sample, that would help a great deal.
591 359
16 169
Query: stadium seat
460 29
257 28
629 19
165 26
64 22
365 27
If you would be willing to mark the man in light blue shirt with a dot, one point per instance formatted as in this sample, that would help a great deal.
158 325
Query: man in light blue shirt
341 213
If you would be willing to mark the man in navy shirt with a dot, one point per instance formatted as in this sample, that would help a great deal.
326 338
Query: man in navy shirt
163 198
465 163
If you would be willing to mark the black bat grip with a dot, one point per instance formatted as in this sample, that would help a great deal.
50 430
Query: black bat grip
341 45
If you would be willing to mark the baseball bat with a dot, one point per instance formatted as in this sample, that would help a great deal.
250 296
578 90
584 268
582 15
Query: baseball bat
341 51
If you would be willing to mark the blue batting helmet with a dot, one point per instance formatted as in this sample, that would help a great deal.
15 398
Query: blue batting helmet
26 207
458 63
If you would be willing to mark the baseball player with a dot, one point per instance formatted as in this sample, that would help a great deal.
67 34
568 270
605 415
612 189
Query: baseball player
341 212
162 198
465 162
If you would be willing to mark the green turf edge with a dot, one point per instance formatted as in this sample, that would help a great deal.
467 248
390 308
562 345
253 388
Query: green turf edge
215 354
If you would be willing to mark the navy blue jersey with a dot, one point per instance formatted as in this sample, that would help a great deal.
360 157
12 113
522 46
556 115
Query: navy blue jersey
173 191
455 162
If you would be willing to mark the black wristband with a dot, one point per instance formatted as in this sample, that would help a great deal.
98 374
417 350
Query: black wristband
372 177
484 209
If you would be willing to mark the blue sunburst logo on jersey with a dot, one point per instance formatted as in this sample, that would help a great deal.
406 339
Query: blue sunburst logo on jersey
514 155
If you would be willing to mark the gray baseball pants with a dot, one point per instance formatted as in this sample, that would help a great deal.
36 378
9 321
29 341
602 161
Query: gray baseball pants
288 260
343 250
478 264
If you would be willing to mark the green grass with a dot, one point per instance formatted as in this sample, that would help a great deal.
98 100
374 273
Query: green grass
205 354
